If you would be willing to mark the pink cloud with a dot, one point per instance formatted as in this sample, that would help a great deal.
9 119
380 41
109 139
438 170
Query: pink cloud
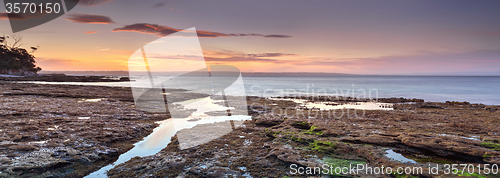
89 18
159 30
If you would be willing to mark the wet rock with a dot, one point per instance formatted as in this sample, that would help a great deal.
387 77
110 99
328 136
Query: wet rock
215 171
55 130
430 106
257 110
36 159
492 108
22 147
30 76
465 103
301 124
454 132
373 139
444 146
263 161
268 120
291 156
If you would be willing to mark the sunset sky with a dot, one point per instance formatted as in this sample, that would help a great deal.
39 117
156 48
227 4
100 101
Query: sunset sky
358 37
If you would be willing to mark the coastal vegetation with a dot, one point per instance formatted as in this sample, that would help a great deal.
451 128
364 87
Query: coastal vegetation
16 60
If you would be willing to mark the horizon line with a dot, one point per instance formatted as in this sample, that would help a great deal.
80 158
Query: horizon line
457 74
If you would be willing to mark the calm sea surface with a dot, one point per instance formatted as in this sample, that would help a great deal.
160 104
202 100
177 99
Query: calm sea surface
484 90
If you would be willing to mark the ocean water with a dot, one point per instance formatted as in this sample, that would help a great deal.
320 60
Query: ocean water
484 90
473 89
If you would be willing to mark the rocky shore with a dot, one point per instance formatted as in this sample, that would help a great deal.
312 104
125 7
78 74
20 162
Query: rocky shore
65 78
428 133
67 130
71 131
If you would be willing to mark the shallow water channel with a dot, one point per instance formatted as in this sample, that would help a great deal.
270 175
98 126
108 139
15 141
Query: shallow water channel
162 135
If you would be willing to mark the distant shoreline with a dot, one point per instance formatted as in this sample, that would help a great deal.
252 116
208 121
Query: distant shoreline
293 74
64 78
437 89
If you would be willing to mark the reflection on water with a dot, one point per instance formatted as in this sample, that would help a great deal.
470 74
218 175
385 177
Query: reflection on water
198 123
398 157
92 100
335 105
355 105
472 137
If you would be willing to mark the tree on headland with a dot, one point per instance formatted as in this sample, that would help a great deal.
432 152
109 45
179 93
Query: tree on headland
14 59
